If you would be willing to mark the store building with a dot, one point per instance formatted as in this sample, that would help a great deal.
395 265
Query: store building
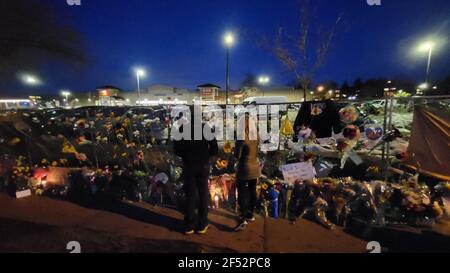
159 94
108 96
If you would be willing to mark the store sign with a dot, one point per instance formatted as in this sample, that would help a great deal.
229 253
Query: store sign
104 93
208 93
298 171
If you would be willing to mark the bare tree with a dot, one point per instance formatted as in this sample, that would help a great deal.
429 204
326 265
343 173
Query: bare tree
31 32
295 53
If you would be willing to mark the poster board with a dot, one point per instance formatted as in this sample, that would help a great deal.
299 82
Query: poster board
298 171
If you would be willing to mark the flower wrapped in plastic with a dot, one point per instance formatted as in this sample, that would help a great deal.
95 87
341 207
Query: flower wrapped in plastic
304 134
227 149
306 201
345 145
351 132
348 114
287 129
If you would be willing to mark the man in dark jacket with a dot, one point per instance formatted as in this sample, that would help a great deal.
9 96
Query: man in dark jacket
196 155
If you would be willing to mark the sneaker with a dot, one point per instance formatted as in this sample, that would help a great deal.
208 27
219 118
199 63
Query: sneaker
241 226
251 219
203 231
188 232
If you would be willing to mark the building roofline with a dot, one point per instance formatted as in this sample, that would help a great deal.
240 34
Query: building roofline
208 85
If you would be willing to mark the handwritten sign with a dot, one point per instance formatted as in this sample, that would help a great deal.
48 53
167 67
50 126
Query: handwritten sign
296 171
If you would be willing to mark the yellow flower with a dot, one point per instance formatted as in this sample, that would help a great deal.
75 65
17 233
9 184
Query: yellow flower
286 127
227 147
14 141
373 169
68 148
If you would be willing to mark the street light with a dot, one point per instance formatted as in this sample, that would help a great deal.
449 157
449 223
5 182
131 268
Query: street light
423 86
228 41
320 88
263 80
140 72
427 46
30 80
66 94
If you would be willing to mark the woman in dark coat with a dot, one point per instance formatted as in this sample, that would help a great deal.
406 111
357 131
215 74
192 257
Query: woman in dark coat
247 172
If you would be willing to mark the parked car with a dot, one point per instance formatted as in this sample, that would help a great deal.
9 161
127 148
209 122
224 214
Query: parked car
270 100
281 101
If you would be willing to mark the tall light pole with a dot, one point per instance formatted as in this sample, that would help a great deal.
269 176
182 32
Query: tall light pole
140 72
263 81
428 46
66 94
228 40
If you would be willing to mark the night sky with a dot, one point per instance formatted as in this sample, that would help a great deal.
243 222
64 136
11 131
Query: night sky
179 41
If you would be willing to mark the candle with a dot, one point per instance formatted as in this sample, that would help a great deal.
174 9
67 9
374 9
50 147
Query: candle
216 201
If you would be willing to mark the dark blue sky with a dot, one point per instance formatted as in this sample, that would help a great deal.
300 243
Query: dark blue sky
179 41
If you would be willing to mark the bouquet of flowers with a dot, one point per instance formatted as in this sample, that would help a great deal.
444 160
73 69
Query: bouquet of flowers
345 145
348 114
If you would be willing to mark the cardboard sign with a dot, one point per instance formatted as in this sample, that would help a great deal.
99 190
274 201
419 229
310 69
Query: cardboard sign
22 194
296 171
